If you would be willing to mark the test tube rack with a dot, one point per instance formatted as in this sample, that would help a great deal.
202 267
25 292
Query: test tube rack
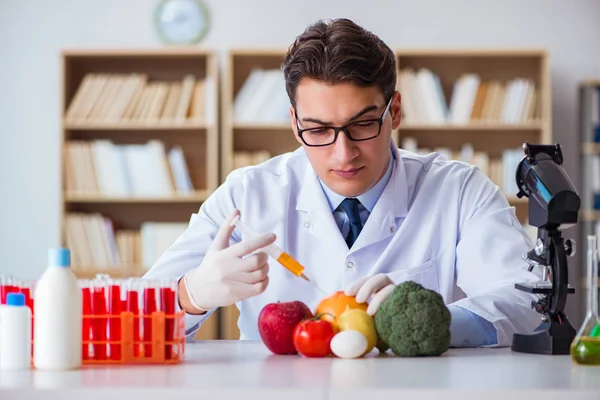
132 348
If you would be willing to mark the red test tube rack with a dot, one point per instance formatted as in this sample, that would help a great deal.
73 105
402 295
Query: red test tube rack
127 321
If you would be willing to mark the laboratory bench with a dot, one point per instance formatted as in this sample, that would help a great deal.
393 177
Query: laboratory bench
245 369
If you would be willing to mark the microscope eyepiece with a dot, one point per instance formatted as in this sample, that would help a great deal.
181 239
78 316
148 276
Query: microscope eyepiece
553 200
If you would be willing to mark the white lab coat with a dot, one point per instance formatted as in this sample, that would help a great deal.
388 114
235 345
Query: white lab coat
440 223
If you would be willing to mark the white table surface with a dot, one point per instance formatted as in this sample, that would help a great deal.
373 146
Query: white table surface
242 369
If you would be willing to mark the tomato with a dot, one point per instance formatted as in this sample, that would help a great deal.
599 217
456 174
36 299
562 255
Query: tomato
313 336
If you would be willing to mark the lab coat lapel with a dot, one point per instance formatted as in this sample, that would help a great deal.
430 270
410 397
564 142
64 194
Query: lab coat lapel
391 206
311 200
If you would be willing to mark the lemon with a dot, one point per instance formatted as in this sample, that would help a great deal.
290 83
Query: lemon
358 319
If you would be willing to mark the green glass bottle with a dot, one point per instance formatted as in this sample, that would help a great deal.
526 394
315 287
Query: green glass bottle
585 348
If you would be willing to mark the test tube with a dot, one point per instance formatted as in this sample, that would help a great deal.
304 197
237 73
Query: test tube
3 284
9 285
133 306
114 321
86 295
167 305
27 288
149 308
100 316
123 295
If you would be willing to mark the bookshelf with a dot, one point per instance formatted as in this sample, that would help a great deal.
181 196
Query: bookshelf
255 123
518 110
515 109
589 127
194 140
478 106
139 154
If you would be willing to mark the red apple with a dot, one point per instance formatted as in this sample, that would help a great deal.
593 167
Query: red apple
276 324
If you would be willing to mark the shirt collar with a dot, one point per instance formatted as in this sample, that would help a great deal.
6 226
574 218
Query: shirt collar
367 199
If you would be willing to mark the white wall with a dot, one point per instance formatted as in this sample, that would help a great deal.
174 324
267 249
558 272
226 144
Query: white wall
33 31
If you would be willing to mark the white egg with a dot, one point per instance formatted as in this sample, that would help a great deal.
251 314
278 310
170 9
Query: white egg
349 344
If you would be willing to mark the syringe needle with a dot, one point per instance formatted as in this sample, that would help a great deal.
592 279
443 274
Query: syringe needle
322 291
314 284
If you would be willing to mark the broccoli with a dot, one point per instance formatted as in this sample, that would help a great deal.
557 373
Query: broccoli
414 321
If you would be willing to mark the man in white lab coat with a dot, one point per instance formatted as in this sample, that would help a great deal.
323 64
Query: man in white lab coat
360 214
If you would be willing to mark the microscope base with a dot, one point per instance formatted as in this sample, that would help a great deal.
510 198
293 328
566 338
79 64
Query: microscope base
556 339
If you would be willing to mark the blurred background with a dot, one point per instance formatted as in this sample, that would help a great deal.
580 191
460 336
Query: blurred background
118 118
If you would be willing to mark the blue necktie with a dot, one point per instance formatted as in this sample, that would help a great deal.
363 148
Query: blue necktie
350 207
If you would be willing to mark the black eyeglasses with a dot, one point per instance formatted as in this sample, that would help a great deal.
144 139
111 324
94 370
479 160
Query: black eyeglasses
357 131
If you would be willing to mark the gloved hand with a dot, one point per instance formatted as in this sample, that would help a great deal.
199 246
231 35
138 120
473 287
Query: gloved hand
229 274
375 288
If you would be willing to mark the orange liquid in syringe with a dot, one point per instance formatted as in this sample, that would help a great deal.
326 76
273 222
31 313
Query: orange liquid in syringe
292 265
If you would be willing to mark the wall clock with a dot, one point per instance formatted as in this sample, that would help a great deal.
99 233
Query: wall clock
181 21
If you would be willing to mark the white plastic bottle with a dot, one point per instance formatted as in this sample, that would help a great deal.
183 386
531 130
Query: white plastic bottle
15 333
58 315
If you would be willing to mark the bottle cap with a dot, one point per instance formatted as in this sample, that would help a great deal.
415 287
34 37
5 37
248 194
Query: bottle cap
15 299
59 257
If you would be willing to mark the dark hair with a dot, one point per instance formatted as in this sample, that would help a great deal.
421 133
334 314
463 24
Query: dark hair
339 51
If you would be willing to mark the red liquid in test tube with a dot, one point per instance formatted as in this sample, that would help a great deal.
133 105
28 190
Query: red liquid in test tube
133 306
86 294
27 288
167 305
13 288
149 308
8 285
114 324
99 320
3 285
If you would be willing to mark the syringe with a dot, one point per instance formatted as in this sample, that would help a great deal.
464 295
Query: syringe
274 251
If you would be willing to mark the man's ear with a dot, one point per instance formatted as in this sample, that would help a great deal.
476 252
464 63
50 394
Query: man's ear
293 122
396 110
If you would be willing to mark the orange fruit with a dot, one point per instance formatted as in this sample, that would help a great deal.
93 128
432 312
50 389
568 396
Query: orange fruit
331 307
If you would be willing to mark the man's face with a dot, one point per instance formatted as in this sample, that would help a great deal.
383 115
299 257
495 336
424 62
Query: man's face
349 168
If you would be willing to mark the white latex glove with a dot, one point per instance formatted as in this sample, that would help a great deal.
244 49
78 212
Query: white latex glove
229 274
375 288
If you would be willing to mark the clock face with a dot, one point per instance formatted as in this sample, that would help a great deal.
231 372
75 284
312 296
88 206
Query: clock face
181 21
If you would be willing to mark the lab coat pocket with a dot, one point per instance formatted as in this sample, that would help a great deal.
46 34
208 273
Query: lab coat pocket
424 274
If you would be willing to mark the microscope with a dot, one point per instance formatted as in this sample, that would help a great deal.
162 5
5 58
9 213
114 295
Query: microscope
553 206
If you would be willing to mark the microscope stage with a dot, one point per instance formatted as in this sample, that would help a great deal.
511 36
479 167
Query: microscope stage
539 287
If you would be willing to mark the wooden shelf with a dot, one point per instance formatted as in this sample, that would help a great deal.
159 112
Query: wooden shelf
209 164
521 206
590 148
250 136
128 134
590 82
137 53
196 197
135 126
262 126
492 137
589 151
470 53
489 136
589 215
432 76
584 283
473 126
517 201
500 66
